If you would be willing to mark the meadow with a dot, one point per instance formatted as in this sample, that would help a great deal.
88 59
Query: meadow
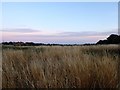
93 66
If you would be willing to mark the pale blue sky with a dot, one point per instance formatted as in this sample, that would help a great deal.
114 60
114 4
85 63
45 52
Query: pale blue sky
58 18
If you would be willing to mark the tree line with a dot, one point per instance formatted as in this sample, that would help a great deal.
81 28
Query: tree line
35 44
112 39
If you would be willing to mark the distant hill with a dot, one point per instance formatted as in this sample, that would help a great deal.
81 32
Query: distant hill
112 39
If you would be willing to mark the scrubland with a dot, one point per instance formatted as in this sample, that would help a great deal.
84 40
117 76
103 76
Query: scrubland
60 66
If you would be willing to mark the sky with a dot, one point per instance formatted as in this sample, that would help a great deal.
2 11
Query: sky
59 22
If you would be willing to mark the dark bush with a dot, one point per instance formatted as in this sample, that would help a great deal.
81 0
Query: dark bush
112 39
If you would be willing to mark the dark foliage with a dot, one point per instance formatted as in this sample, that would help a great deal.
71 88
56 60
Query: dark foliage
112 39
35 44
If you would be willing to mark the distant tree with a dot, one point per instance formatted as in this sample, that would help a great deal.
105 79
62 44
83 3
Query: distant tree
29 44
102 42
112 39
5 43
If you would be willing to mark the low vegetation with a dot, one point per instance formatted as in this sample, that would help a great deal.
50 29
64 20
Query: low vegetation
60 66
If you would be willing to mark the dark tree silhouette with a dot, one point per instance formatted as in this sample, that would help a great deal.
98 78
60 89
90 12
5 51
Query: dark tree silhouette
112 39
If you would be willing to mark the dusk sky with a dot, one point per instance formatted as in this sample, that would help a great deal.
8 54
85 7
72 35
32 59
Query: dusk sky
63 22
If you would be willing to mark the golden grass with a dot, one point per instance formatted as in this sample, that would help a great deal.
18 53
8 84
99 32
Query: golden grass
61 67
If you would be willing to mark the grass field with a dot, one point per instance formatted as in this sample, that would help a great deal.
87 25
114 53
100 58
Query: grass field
60 66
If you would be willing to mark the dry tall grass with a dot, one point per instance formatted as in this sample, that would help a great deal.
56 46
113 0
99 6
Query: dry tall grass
60 67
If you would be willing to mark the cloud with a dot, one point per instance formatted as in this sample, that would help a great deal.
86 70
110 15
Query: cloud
86 33
20 30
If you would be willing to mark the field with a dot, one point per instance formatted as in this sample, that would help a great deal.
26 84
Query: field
60 66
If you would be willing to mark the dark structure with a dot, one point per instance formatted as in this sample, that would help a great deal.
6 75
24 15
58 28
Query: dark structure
112 39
